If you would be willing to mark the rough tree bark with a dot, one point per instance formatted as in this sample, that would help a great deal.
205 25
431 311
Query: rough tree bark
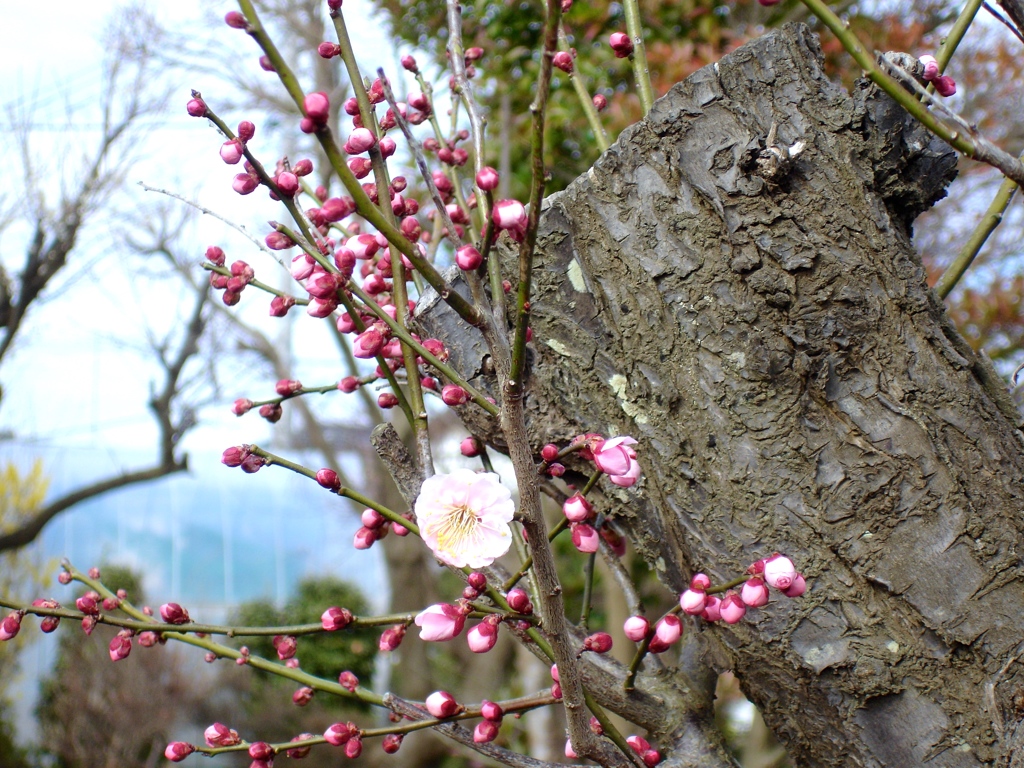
795 386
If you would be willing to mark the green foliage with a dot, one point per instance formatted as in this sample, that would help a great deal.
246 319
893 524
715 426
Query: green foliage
11 756
325 655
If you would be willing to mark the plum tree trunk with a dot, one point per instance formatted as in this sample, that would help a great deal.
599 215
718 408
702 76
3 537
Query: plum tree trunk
765 331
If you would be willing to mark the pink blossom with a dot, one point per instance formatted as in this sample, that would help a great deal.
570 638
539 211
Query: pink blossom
615 458
440 622
779 571
464 517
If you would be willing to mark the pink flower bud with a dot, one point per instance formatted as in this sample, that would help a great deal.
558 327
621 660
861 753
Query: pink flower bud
391 638
328 478
86 604
585 538
148 639
453 394
328 50
285 646
409 63
392 742
272 412
668 629
468 258
348 680
491 711
285 387
279 305
732 608
178 750
172 613
487 179
596 727
600 102
348 384
360 140
519 601
931 67
473 54
577 509
636 628
266 65
234 456
509 214
944 85
387 147
49 624
246 130
387 400
244 183
364 538
363 246
470 447
120 646
621 45
779 571
797 588
317 106
354 748
754 593
599 642
231 151
692 601
260 750
485 731
302 696
442 704
297 753
368 343
287 182
235 20
279 241
556 691
482 637
241 406
335 618
10 626
219 735
563 60
569 751
196 107
337 734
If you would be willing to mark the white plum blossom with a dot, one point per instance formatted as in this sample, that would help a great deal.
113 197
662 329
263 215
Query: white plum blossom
464 517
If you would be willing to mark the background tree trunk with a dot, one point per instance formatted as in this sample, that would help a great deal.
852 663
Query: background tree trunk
795 387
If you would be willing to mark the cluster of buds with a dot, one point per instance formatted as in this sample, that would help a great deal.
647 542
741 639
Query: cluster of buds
777 572
374 528
242 456
240 275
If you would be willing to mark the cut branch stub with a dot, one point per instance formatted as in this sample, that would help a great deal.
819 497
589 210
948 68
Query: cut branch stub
795 386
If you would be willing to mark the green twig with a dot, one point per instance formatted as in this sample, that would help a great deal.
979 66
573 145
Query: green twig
641 69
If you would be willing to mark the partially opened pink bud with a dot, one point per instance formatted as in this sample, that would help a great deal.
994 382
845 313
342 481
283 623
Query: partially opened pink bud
636 628
219 735
286 646
120 646
391 743
442 704
577 509
487 179
178 750
440 622
483 636
244 183
598 642
638 743
234 456
732 608
509 214
391 638
279 241
231 151
172 613
585 538
287 182
712 609
453 394
368 343
303 696
360 140
337 734
779 571
364 538
348 680
335 618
